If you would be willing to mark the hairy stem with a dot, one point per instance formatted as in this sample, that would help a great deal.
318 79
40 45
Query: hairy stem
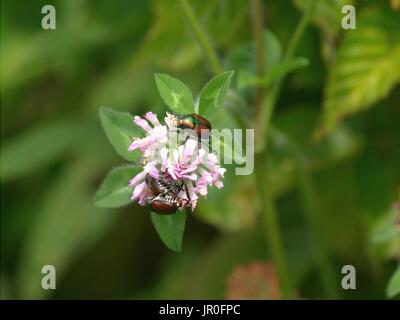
201 37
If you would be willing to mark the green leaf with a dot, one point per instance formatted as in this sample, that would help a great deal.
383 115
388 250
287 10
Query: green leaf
120 131
364 70
37 147
213 94
175 94
170 228
114 191
393 288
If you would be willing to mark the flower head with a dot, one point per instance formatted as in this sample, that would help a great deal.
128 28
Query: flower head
187 164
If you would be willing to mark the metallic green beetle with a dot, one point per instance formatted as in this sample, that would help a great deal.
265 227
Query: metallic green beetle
199 124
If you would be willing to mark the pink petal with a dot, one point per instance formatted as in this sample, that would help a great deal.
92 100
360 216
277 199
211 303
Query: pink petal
190 148
221 171
170 120
137 178
194 204
134 145
191 191
219 184
152 118
192 177
212 159
200 157
142 123
142 199
190 168
139 189
152 170
176 154
164 156
172 173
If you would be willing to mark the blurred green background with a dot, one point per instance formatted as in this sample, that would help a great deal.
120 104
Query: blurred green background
54 153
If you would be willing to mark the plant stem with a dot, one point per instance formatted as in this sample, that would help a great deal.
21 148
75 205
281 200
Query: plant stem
311 209
300 28
268 209
258 30
269 102
201 37
272 231
263 120
307 190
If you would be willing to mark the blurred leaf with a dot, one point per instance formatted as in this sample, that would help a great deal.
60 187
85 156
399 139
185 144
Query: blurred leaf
273 50
213 94
124 89
340 145
281 69
170 228
170 42
327 15
393 288
66 225
223 119
31 55
364 70
37 147
120 130
235 206
242 58
385 229
276 73
221 207
5 287
115 191
247 79
175 94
